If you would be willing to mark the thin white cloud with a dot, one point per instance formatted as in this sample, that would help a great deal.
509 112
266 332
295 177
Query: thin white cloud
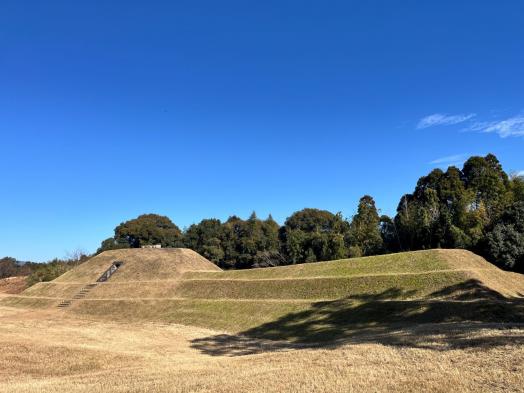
450 160
513 126
440 119
520 173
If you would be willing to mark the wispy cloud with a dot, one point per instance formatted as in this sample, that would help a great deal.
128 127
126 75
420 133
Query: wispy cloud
513 126
455 160
440 119
520 173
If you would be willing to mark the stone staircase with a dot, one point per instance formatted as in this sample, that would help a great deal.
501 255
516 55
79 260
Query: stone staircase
85 290
109 272
79 295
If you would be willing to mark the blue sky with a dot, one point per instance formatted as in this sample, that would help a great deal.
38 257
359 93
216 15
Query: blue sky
197 109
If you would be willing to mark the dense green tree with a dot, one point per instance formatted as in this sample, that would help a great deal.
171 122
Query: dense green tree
251 242
463 209
389 234
149 229
270 254
364 230
453 209
236 243
112 244
505 246
453 196
517 188
311 235
505 242
489 184
417 220
231 230
270 229
206 239
427 219
405 222
438 213
454 200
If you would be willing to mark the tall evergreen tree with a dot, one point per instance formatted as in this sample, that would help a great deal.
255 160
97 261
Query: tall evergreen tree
485 177
364 230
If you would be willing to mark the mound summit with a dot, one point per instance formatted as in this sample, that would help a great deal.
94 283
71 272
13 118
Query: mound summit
140 264
306 302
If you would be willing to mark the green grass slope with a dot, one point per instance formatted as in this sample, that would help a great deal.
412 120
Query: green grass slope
406 262
307 302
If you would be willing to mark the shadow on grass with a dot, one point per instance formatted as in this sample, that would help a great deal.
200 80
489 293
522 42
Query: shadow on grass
454 317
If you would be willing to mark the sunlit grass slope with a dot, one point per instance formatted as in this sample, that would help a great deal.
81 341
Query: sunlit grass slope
140 265
304 302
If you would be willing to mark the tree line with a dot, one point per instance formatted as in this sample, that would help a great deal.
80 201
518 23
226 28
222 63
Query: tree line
479 207
308 235
38 272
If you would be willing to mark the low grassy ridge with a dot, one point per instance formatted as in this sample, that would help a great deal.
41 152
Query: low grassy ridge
407 262
304 303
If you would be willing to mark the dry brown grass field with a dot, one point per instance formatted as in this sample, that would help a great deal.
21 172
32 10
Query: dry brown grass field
45 352
169 321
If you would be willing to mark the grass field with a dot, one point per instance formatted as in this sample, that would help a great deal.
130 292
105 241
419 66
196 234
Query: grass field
316 301
42 352
170 321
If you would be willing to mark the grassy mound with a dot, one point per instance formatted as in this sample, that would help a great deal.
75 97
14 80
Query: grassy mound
307 302
144 273
141 264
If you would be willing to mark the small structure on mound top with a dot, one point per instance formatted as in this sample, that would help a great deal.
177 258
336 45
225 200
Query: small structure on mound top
152 246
